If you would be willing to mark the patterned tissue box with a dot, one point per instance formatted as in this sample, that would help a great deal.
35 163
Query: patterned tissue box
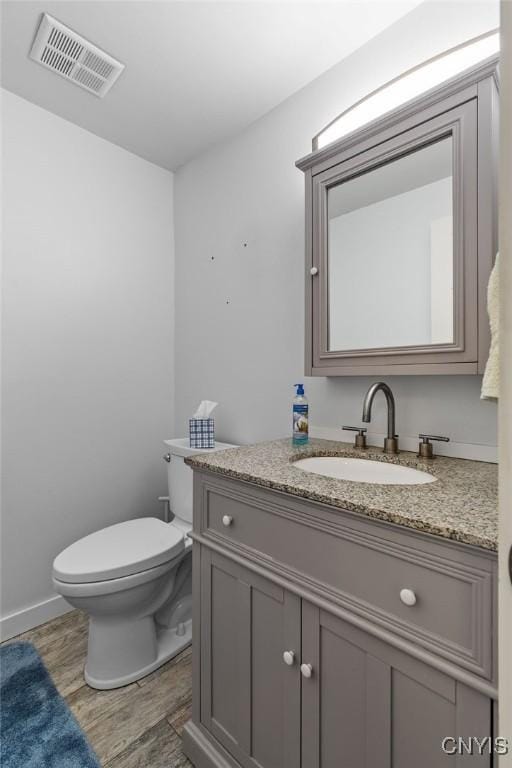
202 433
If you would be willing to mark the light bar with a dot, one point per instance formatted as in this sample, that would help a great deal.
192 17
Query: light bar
410 85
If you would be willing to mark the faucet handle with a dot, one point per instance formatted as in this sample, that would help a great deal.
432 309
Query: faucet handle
425 449
360 439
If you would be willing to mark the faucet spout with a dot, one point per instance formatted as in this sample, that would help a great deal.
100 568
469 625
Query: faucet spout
391 441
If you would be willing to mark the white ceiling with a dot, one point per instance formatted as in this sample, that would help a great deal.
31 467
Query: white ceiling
196 72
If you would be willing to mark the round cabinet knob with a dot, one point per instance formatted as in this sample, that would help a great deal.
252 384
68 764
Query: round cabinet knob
407 597
227 520
289 657
313 271
306 670
167 458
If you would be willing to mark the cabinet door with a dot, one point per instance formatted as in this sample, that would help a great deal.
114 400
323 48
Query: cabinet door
394 243
250 698
368 705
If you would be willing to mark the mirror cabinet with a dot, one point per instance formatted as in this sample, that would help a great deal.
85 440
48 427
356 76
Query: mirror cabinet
401 236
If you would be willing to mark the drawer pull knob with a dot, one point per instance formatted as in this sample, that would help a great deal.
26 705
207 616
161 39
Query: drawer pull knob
313 271
289 658
227 520
407 597
306 670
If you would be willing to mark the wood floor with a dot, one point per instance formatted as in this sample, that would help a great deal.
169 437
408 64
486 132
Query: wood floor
137 726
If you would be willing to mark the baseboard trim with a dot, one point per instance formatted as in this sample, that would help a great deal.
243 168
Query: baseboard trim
201 752
28 618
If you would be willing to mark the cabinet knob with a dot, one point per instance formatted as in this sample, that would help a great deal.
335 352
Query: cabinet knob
306 670
289 657
407 597
313 271
167 457
227 520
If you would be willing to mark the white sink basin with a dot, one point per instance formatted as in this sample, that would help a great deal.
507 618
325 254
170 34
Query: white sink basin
363 470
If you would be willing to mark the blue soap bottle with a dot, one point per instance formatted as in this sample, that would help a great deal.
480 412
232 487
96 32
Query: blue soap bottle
300 417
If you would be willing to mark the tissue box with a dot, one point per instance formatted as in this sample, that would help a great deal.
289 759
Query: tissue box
202 433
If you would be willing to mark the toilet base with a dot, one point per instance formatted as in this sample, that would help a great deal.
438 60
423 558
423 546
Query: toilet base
169 644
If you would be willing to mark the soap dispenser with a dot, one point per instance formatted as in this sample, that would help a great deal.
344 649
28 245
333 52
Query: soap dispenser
300 417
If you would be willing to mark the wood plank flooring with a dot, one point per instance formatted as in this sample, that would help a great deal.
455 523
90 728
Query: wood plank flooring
138 726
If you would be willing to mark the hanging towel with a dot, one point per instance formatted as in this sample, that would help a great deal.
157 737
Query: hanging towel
491 382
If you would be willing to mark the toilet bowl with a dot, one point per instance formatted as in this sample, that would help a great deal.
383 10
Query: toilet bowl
121 577
134 580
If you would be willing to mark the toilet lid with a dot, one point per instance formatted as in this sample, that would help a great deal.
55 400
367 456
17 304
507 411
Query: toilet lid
119 550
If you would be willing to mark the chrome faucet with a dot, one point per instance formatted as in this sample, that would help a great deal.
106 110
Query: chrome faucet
391 441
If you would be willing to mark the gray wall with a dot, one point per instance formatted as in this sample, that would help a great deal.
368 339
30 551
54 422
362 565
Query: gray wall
87 340
239 260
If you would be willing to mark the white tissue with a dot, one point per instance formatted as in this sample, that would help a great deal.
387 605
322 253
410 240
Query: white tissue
205 409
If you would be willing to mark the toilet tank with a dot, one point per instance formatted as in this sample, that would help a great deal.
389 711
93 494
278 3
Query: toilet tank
180 476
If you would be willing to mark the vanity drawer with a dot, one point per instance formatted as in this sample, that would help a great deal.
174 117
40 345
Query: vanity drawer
364 566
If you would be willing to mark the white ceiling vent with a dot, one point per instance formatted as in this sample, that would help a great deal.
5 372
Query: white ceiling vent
60 49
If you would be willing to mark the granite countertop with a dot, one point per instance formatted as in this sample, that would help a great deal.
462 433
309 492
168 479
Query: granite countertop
462 504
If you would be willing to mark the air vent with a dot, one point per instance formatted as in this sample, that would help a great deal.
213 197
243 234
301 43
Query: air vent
60 49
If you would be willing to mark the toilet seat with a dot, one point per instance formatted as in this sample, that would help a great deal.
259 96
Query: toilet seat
112 586
120 550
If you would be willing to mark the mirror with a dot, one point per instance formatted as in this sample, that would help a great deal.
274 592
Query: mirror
390 254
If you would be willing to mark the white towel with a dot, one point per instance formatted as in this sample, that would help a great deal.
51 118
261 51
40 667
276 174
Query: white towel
491 382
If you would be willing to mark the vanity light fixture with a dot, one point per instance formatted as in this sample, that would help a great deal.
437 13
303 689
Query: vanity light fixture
412 83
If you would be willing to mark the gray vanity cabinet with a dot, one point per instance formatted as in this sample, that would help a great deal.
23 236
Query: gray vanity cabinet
250 698
305 655
368 705
401 236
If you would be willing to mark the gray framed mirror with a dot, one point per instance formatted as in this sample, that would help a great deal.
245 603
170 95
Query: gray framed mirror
401 236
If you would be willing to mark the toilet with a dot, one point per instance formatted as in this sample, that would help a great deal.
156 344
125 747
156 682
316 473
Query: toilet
134 580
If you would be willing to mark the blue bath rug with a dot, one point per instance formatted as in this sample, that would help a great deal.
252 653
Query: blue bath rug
37 730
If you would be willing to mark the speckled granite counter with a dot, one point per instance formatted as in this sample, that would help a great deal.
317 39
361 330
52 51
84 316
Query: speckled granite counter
462 504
